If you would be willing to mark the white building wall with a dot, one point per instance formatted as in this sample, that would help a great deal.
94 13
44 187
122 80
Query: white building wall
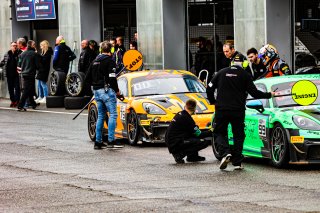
5 35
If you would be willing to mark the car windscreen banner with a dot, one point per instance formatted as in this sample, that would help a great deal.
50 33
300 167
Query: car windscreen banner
35 9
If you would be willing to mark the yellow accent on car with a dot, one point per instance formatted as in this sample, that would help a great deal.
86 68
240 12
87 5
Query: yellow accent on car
297 139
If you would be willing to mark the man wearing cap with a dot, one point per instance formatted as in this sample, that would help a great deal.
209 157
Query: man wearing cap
62 55
232 85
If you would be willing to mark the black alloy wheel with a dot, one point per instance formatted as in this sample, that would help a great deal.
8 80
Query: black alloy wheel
92 121
57 83
133 127
279 146
215 150
75 84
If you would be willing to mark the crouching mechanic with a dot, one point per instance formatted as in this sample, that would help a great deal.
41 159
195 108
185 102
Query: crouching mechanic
101 75
183 135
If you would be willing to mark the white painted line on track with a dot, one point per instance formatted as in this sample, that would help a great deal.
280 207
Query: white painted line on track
45 111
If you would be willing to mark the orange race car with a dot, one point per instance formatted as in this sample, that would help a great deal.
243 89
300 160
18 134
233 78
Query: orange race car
152 98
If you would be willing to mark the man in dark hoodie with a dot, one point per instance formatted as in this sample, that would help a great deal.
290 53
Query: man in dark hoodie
62 55
183 135
101 75
9 63
27 65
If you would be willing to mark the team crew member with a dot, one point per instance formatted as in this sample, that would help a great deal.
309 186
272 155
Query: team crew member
233 55
101 75
256 65
183 135
270 58
232 85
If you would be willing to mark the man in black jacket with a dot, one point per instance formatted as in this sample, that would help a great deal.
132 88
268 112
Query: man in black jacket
86 57
232 84
62 55
9 63
102 77
183 135
27 65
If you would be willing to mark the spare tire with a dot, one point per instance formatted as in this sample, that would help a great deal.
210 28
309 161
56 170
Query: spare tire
55 101
57 83
76 102
75 84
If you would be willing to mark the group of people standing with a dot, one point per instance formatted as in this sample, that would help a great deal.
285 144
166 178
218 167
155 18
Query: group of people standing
23 58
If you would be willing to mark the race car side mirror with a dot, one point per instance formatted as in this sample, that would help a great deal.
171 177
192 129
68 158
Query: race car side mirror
255 104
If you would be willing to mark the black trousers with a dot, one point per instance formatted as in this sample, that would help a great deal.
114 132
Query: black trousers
222 119
192 146
28 92
14 88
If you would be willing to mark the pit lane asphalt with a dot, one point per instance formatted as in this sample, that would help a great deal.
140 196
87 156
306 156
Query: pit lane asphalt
47 164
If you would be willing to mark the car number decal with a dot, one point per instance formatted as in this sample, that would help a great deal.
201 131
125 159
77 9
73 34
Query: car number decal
123 112
262 128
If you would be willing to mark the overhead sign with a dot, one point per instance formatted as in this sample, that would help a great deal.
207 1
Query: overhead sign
35 10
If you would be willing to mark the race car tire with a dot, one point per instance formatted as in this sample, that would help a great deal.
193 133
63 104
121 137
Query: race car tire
57 83
76 102
75 84
279 146
55 101
215 150
92 120
133 128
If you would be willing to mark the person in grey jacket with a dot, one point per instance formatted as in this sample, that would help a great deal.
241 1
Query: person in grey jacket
28 64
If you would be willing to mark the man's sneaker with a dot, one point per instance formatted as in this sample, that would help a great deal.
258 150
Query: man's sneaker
22 109
178 158
37 100
43 100
35 106
238 167
118 144
97 145
195 158
103 145
224 162
110 144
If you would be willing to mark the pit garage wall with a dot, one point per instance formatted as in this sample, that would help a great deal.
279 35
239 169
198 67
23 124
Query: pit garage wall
69 26
6 38
78 20
162 33
258 22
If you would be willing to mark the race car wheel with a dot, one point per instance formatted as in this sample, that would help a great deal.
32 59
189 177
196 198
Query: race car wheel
215 150
133 128
57 83
279 147
75 84
92 120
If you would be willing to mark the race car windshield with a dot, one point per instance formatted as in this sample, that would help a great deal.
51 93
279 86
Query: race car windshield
284 91
166 85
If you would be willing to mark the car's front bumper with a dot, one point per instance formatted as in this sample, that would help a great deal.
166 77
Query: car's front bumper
307 152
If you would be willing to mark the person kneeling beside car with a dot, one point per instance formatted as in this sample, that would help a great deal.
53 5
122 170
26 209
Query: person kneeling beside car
183 136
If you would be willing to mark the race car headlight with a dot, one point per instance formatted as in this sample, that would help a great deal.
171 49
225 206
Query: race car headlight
153 109
305 123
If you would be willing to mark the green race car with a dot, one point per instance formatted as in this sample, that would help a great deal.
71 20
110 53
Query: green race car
279 129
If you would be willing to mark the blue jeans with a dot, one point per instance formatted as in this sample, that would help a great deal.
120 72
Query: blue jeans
106 101
42 89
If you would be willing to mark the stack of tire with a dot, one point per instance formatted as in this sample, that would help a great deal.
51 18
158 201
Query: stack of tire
68 90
